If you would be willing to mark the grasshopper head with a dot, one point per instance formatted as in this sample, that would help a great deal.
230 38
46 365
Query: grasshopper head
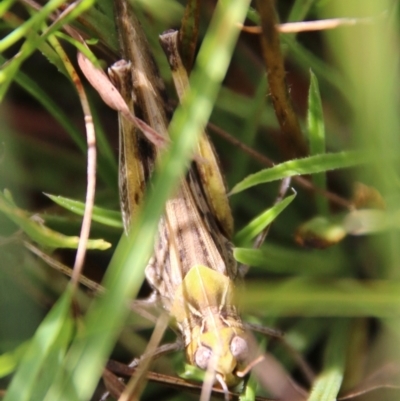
226 349
203 307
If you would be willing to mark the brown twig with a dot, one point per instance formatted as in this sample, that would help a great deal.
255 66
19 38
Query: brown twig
136 385
67 271
171 381
292 141
115 387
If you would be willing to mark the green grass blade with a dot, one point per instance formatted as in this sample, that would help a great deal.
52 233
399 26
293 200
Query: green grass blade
32 43
283 260
340 298
5 5
300 10
107 217
10 360
55 330
315 118
31 23
242 106
254 114
250 390
327 385
189 33
316 132
42 234
308 165
306 60
99 22
246 234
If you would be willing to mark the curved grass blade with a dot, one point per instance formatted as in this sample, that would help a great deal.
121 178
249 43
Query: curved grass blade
307 165
107 217
42 234
43 356
246 234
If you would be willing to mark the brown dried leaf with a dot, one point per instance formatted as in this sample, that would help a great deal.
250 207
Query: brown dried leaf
110 95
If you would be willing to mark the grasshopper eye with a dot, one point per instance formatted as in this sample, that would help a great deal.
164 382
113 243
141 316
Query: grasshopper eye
202 357
239 348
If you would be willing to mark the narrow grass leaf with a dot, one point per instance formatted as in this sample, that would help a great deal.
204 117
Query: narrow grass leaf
327 385
300 10
315 117
189 32
42 234
250 391
5 5
240 106
51 367
53 333
307 165
253 16
164 10
100 24
305 59
258 224
107 217
254 112
316 135
45 48
191 372
35 21
32 43
310 297
10 360
283 260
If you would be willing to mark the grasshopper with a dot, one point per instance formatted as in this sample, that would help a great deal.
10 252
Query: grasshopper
192 270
